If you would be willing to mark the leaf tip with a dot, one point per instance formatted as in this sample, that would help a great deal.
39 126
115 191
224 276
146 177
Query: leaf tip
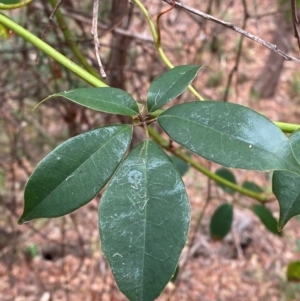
21 221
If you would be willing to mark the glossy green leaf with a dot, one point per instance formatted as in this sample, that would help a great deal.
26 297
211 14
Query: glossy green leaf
286 187
229 134
221 220
181 165
109 100
252 186
144 218
170 85
229 176
295 143
74 172
293 271
266 218
175 276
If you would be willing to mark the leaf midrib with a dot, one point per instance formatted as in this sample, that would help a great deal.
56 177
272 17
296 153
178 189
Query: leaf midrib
74 171
227 135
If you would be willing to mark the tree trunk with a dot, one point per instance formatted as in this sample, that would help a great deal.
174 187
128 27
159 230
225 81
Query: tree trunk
266 83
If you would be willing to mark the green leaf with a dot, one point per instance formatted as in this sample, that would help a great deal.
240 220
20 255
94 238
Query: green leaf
286 187
181 165
266 218
229 134
295 143
74 172
144 218
174 277
170 85
293 271
221 220
229 176
106 99
252 186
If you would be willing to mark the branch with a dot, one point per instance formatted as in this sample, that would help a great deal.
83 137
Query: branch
295 21
239 30
94 33
158 46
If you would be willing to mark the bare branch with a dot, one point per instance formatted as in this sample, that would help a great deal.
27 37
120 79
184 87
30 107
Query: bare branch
51 17
239 53
94 33
239 30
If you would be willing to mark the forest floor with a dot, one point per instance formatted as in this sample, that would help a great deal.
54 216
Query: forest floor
60 259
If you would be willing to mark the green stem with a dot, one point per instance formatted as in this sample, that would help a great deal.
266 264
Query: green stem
156 136
158 46
5 21
287 127
70 42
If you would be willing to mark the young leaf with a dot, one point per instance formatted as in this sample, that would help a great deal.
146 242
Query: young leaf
74 172
221 220
252 186
229 176
286 188
266 218
229 134
109 100
170 85
144 218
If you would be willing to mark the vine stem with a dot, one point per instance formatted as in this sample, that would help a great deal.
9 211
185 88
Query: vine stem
69 40
158 44
34 40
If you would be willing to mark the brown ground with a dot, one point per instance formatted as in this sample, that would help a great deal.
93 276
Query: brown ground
60 259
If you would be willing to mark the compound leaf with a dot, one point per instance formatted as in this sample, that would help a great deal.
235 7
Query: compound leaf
104 99
266 218
74 172
229 134
221 220
144 218
170 85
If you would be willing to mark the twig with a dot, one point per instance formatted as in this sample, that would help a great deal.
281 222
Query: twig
157 21
58 4
50 22
94 33
239 30
295 21
239 53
